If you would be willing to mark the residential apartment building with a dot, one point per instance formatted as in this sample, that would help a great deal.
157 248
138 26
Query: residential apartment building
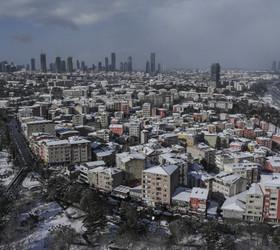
159 183
264 141
40 126
134 129
146 109
203 151
254 203
86 169
103 118
56 152
63 152
78 120
271 188
272 164
248 170
80 150
132 164
106 179
228 184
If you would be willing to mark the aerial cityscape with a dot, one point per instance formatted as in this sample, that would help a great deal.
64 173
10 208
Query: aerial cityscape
136 142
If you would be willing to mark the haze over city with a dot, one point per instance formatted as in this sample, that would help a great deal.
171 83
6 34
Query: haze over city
132 125
183 33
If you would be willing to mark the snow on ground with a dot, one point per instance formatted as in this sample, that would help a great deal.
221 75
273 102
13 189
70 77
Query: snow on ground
31 182
50 216
6 169
74 213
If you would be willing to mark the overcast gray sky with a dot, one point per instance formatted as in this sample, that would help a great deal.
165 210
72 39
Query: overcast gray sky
183 33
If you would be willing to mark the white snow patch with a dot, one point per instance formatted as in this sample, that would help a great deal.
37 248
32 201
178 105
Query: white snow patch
51 215
6 169
30 182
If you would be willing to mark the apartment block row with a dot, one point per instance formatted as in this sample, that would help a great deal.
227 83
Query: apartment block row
261 202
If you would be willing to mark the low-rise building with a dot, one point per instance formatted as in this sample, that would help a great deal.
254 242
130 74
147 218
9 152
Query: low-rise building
228 184
181 199
272 164
264 141
116 129
198 200
107 156
169 139
106 179
78 120
132 164
234 207
86 171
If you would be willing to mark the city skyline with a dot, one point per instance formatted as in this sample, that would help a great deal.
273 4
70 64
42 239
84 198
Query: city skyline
185 34
151 66
150 124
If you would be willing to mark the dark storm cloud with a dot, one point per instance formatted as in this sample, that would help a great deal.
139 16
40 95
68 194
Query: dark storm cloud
182 32
72 13
22 38
58 21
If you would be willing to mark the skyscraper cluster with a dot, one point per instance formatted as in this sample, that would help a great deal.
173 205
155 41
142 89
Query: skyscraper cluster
68 65
58 66
151 65
10 67
127 65
108 66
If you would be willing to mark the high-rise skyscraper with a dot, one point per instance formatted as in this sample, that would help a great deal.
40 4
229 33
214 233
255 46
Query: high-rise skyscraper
148 68
106 64
121 67
100 66
159 68
278 68
153 63
43 60
113 61
52 67
58 64
70 64
83 66
125 67
215 72
78 65
129 64
63 66
33 64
